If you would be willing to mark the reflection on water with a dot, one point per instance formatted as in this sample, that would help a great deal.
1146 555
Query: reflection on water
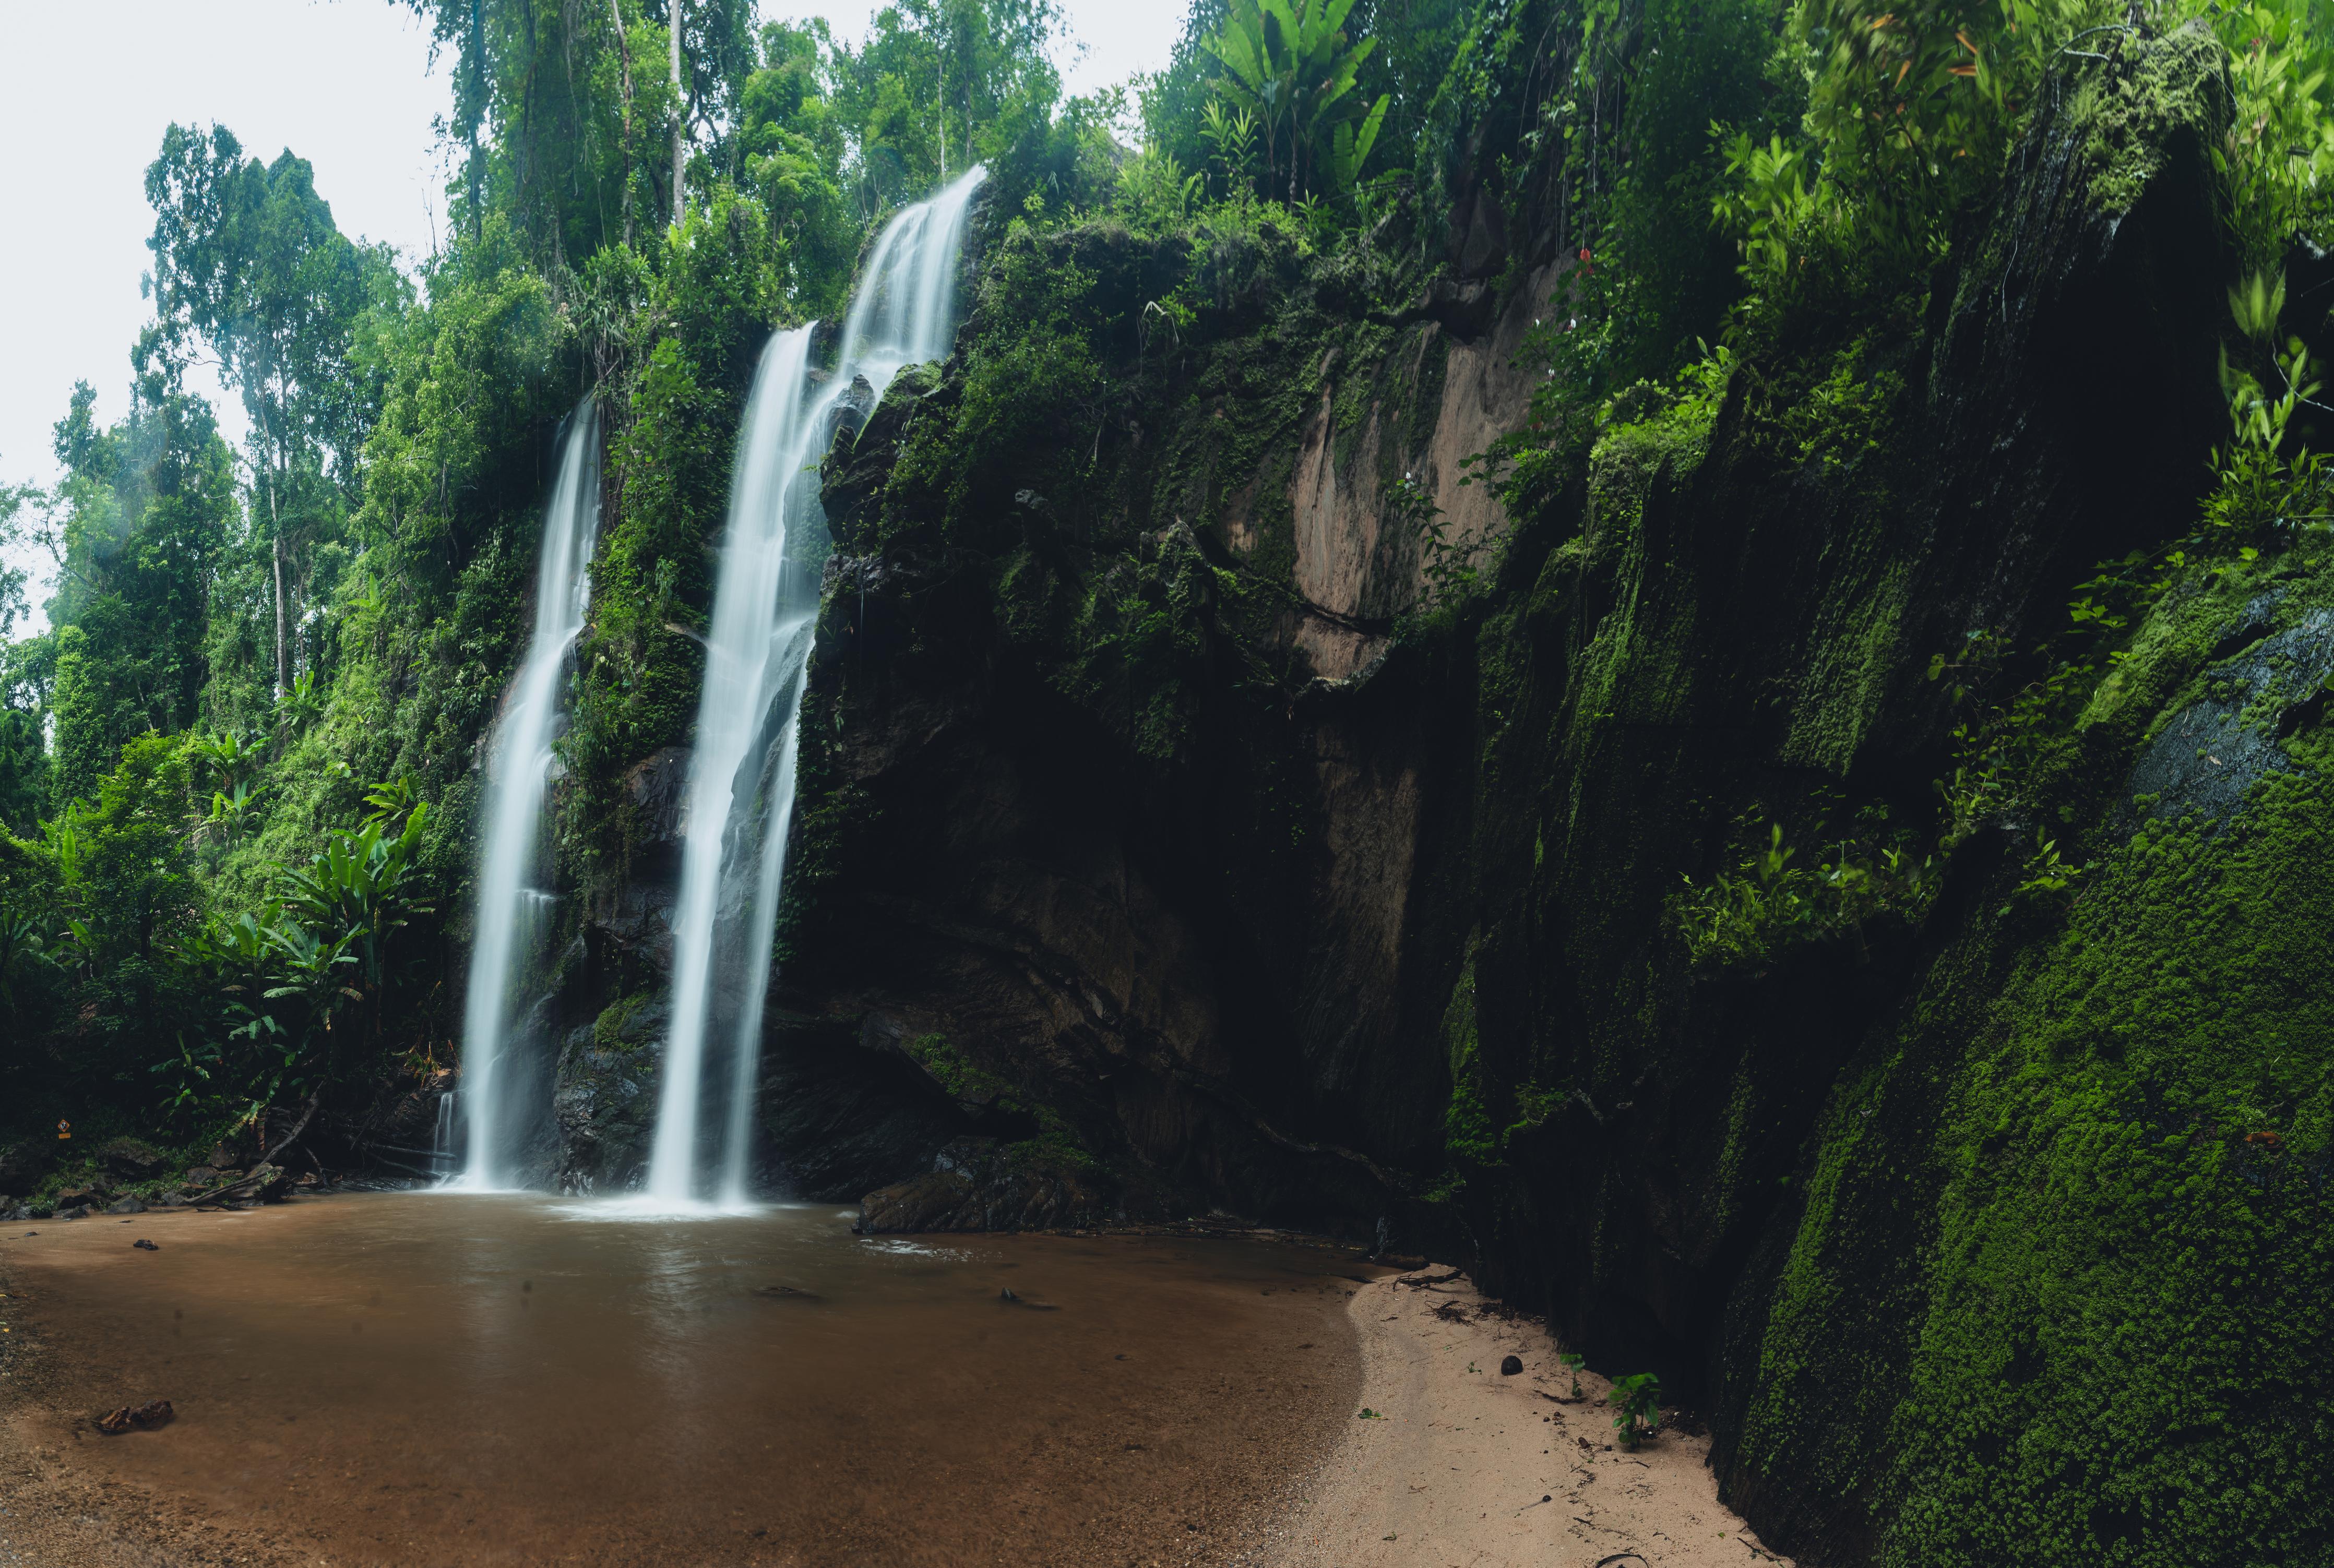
441 1377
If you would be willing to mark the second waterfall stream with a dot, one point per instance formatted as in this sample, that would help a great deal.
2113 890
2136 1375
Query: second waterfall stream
741 770
506 1073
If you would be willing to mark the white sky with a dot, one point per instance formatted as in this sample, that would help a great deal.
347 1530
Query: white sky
86 88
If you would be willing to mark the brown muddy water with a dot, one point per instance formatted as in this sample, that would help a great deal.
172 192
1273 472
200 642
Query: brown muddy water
441 1378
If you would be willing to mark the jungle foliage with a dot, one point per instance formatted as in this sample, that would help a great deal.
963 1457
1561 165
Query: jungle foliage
245 642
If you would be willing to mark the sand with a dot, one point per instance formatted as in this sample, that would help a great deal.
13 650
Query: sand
1472 1469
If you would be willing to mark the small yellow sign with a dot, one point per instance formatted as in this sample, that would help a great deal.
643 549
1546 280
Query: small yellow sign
64 1128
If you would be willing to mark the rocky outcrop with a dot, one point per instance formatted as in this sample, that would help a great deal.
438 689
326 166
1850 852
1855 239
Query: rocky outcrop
976 1185
604 1096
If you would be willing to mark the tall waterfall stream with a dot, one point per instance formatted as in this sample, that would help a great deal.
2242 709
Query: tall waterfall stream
741 778
504 1080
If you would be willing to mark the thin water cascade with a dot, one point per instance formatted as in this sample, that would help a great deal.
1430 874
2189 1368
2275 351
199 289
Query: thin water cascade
497 1106
742 775
442 1152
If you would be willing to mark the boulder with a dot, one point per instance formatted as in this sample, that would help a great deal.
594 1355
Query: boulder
976 1184
125 1205
202 1178
131 1158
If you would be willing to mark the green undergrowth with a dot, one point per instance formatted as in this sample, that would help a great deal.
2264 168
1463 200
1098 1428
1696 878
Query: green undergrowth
962 1079
1773 897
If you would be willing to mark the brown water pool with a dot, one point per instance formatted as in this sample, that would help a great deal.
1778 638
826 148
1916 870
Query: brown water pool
424 1379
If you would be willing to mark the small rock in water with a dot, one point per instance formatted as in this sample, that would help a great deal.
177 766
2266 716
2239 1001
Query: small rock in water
142 1245
787 1293
1006 1295
1512 1366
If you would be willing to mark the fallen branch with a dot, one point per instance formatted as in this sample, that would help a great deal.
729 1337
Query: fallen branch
266 1165
1419 1281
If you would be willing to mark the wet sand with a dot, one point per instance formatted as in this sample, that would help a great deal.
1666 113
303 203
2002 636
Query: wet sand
424 1379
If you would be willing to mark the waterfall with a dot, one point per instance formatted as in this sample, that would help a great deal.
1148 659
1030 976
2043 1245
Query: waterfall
496 1102
442 1152
741 773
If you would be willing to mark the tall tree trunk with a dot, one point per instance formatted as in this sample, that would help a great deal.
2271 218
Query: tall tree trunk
479 80
624 58
282 685
679 121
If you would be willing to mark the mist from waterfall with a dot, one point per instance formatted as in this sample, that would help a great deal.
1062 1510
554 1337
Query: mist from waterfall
504 1087
741 774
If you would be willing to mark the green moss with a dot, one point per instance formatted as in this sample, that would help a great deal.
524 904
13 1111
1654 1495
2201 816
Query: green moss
954 1072
1630 458
2130 119
1056 1142
2059 1286
620 1025
2134 1278
1467 1130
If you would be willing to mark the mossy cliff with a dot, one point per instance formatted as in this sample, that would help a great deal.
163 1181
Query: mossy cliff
1291 829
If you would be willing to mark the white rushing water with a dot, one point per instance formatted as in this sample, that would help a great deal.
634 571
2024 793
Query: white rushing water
499 1102
741 773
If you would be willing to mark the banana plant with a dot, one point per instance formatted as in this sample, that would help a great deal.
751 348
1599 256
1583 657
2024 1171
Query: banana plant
230 755
358 887
392 802
1289 65
231 815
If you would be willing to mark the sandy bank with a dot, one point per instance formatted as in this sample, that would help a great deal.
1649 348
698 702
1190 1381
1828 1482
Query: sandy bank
1477 1470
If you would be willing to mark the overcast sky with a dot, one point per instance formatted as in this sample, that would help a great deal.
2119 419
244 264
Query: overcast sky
87 87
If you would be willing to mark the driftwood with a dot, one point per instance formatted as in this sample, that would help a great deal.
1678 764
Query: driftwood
259 1174
152 1413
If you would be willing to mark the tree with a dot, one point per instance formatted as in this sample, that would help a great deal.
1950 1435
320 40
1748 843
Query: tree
247 263
790 144
942 84
136 528
559 99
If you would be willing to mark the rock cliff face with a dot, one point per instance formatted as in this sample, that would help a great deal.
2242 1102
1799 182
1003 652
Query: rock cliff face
1181 832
